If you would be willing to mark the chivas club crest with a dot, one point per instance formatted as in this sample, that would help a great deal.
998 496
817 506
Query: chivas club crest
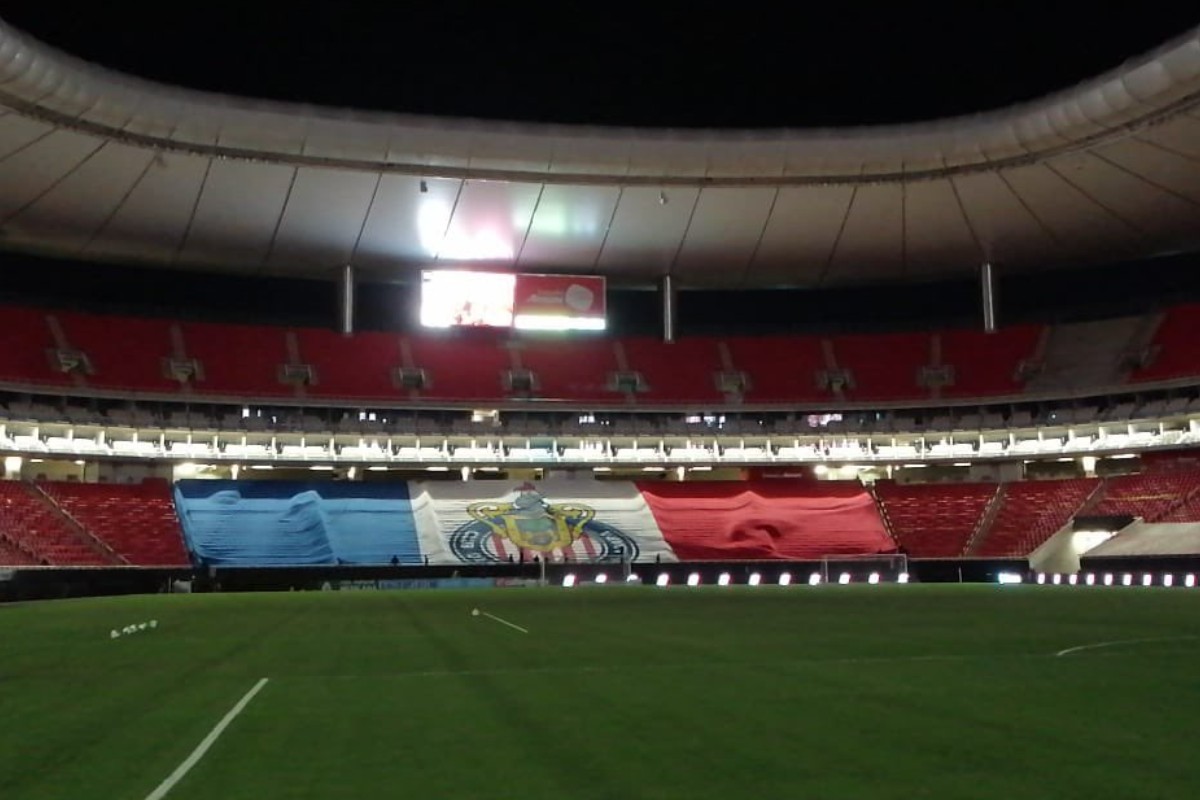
529 526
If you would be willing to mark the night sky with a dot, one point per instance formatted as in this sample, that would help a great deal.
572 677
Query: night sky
714 65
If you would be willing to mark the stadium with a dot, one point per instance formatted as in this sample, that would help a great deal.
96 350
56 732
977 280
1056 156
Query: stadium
351 451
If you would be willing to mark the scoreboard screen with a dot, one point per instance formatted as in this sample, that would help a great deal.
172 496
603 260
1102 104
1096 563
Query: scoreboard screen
451 298
472 298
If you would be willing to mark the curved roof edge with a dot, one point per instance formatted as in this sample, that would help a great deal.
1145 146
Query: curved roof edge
41 82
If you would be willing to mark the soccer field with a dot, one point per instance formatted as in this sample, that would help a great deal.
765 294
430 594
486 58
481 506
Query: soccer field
617 692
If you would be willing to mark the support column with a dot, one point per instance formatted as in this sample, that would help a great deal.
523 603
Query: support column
345 300
669 308
987 285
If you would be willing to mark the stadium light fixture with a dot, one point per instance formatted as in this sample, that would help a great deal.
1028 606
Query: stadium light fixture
633 577
902 577
1127 579
844 578
873 578
568 580
785 579
1056 579
1041 579
1108 579
1089 579
601 578
723 579
1189 580
1073 579
814 579
693 579
1147 579
755 579
663 579
1168 580
1008 578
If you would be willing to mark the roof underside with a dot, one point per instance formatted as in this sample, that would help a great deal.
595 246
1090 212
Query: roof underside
102 166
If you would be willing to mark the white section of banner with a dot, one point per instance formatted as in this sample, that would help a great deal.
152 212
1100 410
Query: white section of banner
489 521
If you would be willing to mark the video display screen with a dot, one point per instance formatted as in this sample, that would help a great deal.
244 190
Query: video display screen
472 298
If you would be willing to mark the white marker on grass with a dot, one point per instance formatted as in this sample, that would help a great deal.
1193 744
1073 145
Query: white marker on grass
475 612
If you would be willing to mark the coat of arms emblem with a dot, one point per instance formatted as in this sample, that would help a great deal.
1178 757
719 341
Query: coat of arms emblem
529 525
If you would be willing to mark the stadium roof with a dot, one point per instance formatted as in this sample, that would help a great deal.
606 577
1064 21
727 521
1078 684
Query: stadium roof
104 166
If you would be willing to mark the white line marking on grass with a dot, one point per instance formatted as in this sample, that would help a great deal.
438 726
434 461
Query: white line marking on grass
504 622
197 754
1115 643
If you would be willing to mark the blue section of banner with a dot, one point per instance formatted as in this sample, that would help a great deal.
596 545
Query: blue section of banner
267 523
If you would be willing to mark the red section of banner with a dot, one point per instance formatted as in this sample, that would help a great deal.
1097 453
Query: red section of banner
773 519
560 295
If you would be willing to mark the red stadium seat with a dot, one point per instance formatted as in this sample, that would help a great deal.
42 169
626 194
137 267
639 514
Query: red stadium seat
1031 512
934 520
138 521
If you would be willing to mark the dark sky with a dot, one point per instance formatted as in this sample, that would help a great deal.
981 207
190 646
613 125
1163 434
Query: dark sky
725 64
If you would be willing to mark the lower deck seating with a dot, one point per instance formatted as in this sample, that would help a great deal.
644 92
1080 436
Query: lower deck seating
137 521
13 556
1149 495
934 520
1031 512
33 525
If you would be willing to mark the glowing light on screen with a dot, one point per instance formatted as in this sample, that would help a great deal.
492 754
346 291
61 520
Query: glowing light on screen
455 297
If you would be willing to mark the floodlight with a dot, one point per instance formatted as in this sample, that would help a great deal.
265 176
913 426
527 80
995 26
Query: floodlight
1089 579
1041 578
633 577
1127 579
785 579
814 579
844 578
663 579
1168 580
723 579
1147 579
1108 579
902 577
1056 579
873 578
694 579
755 579
601 578
1073 579
1008 578
568 580
1189 580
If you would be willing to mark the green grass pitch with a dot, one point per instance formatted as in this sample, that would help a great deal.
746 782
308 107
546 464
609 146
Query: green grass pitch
615 692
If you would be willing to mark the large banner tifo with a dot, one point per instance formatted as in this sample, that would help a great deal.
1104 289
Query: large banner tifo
483 522
771 519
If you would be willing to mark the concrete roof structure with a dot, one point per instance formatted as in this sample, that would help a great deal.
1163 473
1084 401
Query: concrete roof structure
104 166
